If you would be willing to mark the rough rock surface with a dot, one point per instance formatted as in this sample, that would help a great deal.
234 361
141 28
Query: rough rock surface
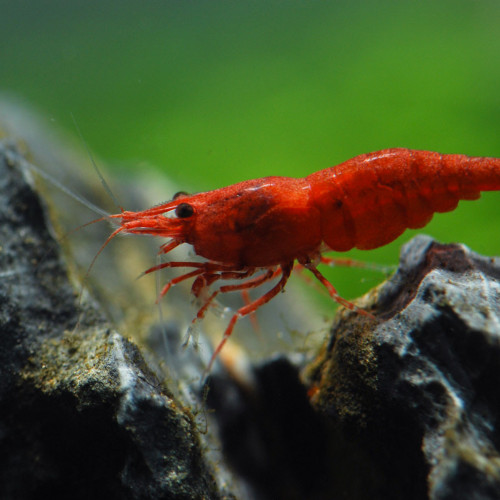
81 416
415 395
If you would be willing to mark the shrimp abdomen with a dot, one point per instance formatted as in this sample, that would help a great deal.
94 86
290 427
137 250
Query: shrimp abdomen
370 200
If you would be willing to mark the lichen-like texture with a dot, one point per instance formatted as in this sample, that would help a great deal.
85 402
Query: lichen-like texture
414 395
81 416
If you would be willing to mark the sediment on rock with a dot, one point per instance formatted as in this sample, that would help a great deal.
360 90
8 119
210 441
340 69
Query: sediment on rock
81 415
415 394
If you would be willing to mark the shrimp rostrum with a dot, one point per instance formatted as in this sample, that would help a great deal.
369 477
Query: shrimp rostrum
257 230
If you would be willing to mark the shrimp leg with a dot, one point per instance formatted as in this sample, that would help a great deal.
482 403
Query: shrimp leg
334 294
176 280
206 280
285 271
203 268
252 283
346 262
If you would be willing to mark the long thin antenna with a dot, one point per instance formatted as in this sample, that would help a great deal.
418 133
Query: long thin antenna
105 185
63 188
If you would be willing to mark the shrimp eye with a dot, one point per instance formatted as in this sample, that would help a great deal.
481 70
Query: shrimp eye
184 210
179 194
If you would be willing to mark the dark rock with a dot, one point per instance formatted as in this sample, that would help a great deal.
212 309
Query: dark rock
81 416
415 394
270 433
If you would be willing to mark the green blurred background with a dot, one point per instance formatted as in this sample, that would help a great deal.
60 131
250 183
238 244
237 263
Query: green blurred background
214 92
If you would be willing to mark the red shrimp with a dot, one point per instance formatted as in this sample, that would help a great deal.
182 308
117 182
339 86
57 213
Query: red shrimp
272 223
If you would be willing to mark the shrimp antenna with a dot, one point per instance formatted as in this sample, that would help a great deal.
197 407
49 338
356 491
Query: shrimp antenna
105 185
52 180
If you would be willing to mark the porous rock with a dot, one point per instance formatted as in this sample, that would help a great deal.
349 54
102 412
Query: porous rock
81 415
413 397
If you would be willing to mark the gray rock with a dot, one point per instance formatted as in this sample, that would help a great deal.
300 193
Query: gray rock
413 397
81 415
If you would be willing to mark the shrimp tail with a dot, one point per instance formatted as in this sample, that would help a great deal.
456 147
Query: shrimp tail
370 200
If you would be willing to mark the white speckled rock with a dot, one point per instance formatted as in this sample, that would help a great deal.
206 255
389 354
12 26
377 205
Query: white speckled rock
416 393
